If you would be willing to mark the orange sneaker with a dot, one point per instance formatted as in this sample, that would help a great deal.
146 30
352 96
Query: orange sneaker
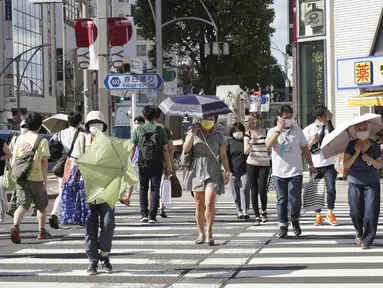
331 219
318 220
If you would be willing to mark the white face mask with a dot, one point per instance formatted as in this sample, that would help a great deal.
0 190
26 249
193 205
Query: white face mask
288 123
93 128
363 135
238 135
136 126
23 130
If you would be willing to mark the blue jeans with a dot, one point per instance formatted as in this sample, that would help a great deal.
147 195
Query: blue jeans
289 190
364 201
93 242
329 174
155 184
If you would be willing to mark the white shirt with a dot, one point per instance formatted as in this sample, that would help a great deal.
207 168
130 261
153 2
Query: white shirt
286 154
318 158
65 137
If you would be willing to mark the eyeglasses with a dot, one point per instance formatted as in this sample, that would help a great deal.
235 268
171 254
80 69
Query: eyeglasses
23 126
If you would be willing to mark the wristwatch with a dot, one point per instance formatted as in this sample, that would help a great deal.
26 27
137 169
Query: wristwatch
311 166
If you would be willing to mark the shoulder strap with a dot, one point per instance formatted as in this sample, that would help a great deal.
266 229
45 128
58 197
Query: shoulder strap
158 129
73 141
37 143
142 130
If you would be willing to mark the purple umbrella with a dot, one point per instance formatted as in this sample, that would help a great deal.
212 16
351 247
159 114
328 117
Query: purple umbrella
192 105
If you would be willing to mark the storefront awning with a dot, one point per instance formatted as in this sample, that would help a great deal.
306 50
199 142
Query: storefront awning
367 99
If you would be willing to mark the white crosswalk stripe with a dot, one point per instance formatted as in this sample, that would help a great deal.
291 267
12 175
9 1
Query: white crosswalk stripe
161 255
164 255
323 255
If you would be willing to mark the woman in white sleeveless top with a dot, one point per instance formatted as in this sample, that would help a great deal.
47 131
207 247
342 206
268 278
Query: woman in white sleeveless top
258 165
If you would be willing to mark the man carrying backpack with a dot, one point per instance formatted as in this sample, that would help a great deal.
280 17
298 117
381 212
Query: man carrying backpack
152 144
30 170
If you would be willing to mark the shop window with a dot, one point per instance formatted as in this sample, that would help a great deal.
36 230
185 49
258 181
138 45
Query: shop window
141 50
311 18
311 78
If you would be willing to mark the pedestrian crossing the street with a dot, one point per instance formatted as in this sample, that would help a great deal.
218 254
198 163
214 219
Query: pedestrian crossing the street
164 255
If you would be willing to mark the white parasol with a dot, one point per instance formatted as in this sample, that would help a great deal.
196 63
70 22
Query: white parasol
336 142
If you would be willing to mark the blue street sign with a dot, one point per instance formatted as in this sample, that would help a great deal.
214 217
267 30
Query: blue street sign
133 82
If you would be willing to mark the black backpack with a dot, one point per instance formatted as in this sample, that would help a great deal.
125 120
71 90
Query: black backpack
150 157
56 148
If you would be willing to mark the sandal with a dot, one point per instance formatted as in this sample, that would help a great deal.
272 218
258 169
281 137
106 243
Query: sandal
210 240
200 239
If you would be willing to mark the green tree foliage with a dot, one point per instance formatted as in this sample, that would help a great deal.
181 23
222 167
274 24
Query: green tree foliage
245 24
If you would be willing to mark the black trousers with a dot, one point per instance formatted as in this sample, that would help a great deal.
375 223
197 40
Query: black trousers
258 176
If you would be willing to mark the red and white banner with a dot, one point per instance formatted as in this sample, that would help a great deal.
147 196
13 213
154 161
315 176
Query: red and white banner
121 40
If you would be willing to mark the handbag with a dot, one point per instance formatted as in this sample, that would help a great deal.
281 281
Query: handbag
8 183
314 194
176 187
59 168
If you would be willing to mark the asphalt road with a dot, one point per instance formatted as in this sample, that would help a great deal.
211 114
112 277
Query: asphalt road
164 255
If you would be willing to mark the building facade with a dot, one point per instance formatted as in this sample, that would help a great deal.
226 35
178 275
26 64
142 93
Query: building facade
358 62
335 40
21 29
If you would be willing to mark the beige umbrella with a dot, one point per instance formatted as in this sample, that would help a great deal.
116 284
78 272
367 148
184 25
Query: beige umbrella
336 142
56 123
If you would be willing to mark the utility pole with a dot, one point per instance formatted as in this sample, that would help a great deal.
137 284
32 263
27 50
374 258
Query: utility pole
53 50
103 60
18 98
159 52
88 103
65 100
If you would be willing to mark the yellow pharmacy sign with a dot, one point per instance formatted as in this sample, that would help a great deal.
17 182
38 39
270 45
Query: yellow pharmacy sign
363 72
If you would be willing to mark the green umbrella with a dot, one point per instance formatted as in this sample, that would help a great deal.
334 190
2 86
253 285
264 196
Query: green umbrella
106 169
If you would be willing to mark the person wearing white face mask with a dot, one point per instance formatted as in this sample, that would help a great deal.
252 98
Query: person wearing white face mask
239 183
101 214
315 134
363 158
258 165
286 143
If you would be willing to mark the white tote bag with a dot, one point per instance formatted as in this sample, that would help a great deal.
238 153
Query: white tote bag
166 191
314 194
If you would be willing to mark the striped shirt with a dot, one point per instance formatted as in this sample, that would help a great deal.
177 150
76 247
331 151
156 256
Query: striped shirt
258 155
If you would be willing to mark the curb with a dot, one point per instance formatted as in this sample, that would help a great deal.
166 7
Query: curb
50 196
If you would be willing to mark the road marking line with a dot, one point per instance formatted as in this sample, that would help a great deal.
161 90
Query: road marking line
134 242
82 273
118 261
298 273
115 251
316 260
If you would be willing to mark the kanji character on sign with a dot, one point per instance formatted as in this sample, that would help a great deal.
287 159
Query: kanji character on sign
363 72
